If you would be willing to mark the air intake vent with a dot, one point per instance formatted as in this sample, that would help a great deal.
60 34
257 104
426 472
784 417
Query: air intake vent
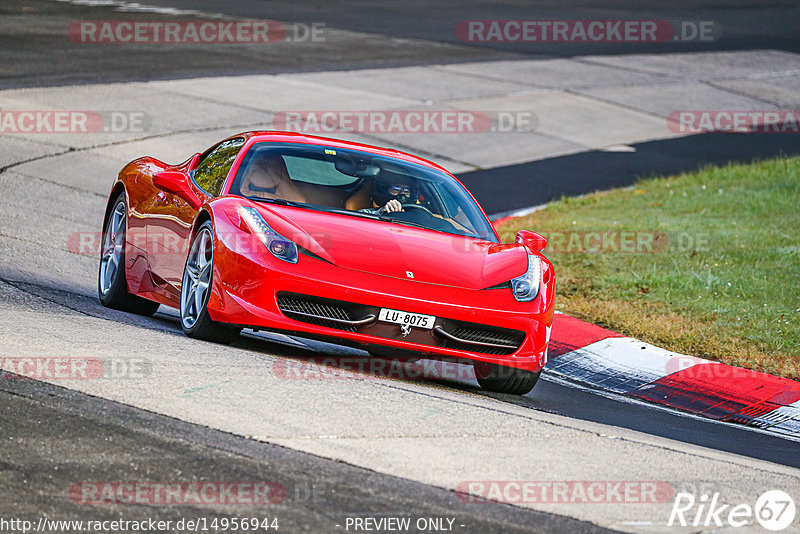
479 338
309 310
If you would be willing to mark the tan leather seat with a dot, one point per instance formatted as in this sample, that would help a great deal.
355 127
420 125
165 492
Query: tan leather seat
268 177
361 199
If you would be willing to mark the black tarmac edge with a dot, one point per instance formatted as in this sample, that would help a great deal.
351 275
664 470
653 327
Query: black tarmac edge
56 439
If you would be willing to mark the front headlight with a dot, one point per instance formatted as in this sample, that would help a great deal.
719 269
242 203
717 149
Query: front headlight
280 247
526 287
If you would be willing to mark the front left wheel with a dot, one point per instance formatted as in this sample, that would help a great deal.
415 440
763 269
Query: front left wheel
112 286
196 290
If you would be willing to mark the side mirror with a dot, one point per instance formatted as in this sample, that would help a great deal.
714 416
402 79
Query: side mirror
177 183
532 240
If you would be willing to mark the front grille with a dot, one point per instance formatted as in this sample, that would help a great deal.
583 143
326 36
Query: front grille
352 317
302 308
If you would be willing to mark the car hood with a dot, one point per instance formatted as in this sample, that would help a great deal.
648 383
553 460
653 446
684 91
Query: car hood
398 250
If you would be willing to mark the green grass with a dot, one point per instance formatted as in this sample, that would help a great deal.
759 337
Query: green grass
726 288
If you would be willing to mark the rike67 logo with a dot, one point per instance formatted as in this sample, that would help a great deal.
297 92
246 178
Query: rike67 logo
774 510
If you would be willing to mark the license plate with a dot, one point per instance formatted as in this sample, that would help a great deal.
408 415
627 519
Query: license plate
411 319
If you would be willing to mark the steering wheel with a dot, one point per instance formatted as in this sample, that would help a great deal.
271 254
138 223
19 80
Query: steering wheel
418 207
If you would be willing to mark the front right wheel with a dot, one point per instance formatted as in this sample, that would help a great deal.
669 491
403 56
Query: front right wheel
196 290
502 379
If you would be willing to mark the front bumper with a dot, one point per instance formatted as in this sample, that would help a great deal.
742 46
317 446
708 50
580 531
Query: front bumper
249 282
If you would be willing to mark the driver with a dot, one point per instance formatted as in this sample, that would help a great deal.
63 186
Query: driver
390 193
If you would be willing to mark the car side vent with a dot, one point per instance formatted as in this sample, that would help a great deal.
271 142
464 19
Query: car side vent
319 312
479 338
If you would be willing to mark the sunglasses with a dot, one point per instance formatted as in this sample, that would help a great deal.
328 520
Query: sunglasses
396 190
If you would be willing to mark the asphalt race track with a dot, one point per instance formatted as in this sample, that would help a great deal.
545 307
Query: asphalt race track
318 493
499 190
400 34
360 445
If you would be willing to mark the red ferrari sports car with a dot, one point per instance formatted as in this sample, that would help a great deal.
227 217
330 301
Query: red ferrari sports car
328 239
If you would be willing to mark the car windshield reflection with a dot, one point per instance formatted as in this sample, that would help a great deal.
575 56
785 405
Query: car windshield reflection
359 184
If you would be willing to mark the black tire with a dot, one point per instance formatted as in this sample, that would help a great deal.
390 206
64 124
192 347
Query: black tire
502 379
112 285
197 323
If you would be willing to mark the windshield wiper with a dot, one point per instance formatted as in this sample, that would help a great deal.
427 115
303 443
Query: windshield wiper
281 201
361 214
381 217
385 218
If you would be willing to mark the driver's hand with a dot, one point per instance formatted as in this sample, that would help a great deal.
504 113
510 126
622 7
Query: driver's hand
392 205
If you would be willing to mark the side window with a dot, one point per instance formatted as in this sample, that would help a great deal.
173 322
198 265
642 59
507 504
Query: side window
213 169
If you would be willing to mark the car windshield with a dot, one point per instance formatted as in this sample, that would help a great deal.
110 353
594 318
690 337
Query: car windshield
359 184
